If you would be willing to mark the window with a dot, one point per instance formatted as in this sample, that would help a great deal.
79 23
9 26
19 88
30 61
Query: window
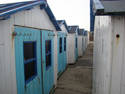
60 45
76 43
30 68
64 43
48 53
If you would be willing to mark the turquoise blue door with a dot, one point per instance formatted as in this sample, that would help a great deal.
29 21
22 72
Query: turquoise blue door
48 60
28 60
65 52
62 58
76 48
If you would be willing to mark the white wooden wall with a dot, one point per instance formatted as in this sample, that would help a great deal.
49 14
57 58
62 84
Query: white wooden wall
80 46
102 55
109 52
7 61
34 18
71 48
118 56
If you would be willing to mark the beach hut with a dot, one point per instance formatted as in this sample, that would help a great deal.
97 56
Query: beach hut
86 38
80 42
84 41
62 46
109 47
73 44
27 48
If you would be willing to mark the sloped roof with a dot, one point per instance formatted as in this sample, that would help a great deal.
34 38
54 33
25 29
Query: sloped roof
73 29
81 32
85 33
109 7
6 10
60 22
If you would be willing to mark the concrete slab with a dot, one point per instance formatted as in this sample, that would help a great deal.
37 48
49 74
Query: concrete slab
77 79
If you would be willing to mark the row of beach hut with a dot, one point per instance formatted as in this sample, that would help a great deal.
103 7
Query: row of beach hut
35 48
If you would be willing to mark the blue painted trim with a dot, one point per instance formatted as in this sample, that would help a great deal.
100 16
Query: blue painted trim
21 8
76 42
65 44
29 60
11 6
76 29
92 17
49 53
30 79
63 22
60 45
43 5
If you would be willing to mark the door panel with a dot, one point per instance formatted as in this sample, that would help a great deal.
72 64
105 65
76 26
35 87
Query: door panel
62 60
28 66
48 65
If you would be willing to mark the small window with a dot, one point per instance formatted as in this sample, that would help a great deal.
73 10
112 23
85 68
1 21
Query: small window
76 43
60 45
64 43
48 53
30 68
29 50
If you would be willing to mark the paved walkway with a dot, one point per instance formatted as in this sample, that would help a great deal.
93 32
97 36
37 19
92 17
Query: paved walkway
77 79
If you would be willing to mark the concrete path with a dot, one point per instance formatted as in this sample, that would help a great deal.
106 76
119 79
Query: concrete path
77 79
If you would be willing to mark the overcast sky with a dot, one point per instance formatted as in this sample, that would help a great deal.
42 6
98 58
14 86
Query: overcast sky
75 12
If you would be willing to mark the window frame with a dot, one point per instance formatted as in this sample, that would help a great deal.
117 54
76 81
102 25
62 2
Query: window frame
76 43
65 44
60 45
30 61
49 53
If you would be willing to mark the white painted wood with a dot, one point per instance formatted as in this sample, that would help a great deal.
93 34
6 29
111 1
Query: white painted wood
102 55
118 55
71 48
1 36
109 51
34 18
80 46
7 64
